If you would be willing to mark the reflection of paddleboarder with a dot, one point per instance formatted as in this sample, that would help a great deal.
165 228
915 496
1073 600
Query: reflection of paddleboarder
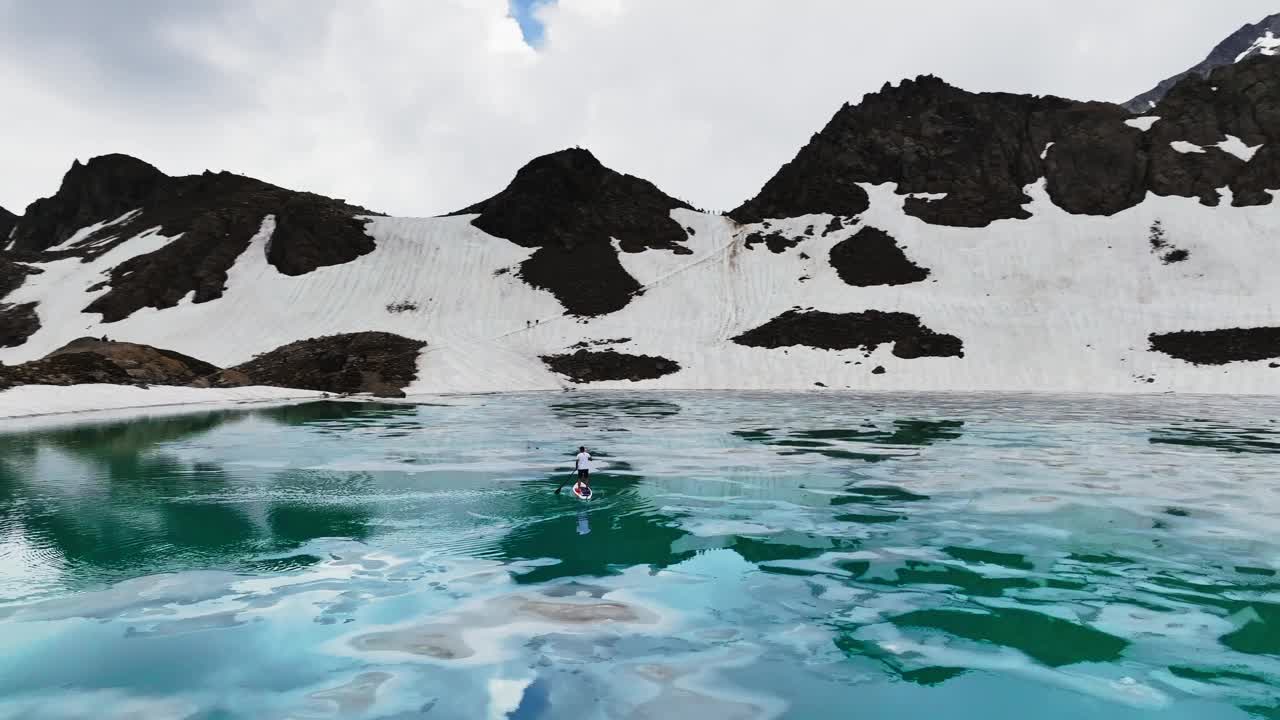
584 528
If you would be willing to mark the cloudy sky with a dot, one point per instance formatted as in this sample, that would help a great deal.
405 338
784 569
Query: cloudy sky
418 107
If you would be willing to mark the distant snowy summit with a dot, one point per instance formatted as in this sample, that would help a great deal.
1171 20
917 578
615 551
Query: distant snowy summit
927 238
1260 38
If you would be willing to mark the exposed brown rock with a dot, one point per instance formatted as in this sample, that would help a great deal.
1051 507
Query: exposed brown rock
143 363
87 360
67 369
373 362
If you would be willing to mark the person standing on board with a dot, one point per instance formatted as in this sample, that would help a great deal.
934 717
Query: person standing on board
582 462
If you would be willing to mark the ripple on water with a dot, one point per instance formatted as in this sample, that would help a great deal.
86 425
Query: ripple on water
746 554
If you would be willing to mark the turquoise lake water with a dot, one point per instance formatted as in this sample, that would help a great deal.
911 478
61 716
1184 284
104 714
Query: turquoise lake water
746 556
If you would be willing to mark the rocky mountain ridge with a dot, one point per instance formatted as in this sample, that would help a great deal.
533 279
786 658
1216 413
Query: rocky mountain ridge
965 159
880 241
1252 39
380 364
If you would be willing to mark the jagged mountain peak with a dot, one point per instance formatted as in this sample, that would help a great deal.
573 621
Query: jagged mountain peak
572 207
103 188
966 159
928 136
573 176
1250 40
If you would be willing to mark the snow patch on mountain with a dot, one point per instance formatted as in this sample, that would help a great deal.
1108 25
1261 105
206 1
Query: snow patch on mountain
1056 302
1185 147
1268 44
83 233
1143 123
1236 146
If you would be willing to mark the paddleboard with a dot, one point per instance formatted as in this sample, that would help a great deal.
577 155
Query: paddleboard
582 492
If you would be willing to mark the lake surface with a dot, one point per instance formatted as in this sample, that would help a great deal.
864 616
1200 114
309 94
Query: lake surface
746 556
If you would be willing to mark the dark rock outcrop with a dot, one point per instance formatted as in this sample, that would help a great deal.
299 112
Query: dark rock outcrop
68 369
17 323
373 362
1225 53
844 331
981 149
569 206
776 241
215 216
100 190
872 257
7 221
143 363
585 366
1219 347
88 360
13 274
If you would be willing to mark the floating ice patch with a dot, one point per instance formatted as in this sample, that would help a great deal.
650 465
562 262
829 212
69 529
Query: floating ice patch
1045 152
1143 123
505 695
718 528
927 196
1236 146
1185 147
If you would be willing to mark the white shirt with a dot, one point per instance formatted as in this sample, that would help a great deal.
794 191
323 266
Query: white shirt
583 461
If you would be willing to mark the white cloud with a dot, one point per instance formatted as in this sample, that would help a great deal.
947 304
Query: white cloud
422 108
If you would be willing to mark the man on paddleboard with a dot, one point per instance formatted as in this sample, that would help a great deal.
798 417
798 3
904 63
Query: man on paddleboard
582 463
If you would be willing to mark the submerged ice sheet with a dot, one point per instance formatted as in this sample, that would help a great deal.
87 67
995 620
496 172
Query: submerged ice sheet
746 556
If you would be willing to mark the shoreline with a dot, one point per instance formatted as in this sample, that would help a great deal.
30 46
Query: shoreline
28 406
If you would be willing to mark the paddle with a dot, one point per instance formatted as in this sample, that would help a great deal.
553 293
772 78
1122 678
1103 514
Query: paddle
566 482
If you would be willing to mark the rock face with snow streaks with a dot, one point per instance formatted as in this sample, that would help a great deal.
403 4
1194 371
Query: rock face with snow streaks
1252 39
928 238
18 321
571 208
977 152
213 217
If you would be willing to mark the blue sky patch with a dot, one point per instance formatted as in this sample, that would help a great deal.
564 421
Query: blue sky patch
523 12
